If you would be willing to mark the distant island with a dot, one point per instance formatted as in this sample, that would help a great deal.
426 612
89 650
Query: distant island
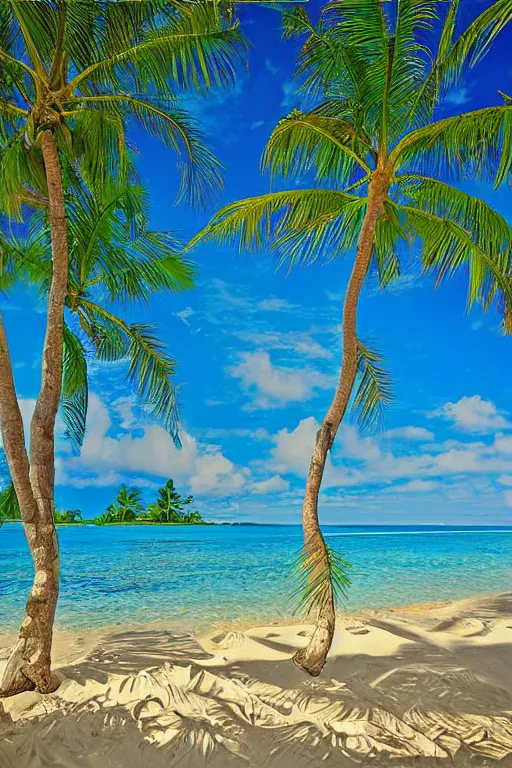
170 508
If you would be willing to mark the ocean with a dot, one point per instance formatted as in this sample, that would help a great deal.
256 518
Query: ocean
194 576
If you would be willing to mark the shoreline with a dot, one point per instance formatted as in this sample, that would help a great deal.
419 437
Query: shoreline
421 685
201 627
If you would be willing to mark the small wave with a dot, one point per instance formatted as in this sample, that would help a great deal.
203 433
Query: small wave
416 533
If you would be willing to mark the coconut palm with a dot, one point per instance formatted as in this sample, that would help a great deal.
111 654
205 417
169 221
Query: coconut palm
384 162
169 505
72 75
128 503
115 259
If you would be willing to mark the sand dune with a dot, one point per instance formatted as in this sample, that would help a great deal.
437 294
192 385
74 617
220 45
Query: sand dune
424 688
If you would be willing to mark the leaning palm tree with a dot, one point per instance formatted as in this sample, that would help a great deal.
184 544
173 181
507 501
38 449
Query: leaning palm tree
128 503
384 162
72 75
115 259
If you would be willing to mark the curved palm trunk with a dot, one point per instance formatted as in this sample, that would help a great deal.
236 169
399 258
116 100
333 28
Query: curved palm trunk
29 666
312 658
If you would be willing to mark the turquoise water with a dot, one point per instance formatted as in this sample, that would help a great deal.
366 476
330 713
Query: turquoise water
202 574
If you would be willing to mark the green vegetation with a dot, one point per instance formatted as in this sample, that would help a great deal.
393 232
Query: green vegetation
383 161
170 507
73 77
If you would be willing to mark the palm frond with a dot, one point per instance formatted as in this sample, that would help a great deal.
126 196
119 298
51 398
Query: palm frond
389 236
9 505
296 23
194 49
329 146
322 576
476 144
410 59
491 232
448 247
200 171
150 369
75 388
474 41
278 217
374 389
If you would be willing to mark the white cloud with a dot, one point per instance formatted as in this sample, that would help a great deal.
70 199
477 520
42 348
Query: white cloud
216 474
185 314
503 444
271 67
508 498
257 124
272 485
415 486
409 433
457 96
292 450
275 385
505 480
300 342
355 446
289 89
276 305
252 434
105 459
473 414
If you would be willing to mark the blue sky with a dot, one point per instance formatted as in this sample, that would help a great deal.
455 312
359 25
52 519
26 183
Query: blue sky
259 352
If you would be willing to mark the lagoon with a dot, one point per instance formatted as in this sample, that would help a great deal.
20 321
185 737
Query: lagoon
196 576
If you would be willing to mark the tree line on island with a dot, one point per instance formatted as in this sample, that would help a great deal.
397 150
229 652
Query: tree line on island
383 161
170 507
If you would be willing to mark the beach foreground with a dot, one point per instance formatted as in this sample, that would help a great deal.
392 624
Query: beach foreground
417 687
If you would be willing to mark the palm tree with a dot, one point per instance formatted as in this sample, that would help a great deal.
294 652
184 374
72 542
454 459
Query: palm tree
383 161
72 74
128 503
68 516
168 506
115 260
114 257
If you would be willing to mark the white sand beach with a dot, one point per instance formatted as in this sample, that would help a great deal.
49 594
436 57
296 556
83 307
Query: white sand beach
423 686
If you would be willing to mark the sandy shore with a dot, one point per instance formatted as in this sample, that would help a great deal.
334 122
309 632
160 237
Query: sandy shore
415 687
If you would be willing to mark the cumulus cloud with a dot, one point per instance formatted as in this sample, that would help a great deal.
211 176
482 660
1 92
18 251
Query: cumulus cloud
272 485
300 342
147 450
293 448
473 414
409 433
273 385
416 486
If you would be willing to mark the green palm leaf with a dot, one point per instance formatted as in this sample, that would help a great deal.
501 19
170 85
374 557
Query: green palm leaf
374 390
322 575
477 143
75 388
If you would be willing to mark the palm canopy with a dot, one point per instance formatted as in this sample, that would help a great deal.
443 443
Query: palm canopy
114 259
84 68
374 75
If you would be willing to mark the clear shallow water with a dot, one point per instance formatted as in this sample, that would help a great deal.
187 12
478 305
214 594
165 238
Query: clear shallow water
201 574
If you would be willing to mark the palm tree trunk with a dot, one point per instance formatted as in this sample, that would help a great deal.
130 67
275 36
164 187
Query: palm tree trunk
312 658
29 666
